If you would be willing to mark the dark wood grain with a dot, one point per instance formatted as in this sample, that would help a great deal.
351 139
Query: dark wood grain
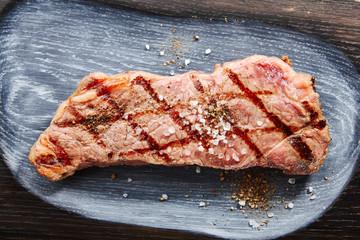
24 216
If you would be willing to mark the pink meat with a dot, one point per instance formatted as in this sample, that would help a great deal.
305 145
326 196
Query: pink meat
252 112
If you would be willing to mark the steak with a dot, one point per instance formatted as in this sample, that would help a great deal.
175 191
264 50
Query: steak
252 112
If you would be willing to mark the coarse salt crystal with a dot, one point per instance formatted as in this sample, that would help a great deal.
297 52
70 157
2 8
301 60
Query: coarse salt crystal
200 110
235 157
290 205
187 61
165 196
242 203
253 224
162 53
202 120
187 152
166 133
310 189
208 51
215 142
227 126
171 130
259 123
138 130
243 151
172 72
129 179
313 197
291 180
126 116
147 46
227 158
194 103
202 204
215 131
211 151
221 155
201 148
231 144
198 170
225 141
125 195
197 127
161 97
270 214
222 137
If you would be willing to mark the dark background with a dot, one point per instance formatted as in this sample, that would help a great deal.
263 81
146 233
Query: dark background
24 216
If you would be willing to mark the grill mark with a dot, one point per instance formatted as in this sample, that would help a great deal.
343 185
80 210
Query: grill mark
153 145
175 115
243 135
314 121
197 84
264 130
299 145
265 92
61 158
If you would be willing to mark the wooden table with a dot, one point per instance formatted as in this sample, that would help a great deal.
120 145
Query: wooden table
24 216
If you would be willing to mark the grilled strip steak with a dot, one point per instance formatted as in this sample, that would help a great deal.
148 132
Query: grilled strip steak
252 112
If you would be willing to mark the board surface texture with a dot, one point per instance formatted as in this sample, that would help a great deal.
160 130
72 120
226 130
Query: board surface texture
46 47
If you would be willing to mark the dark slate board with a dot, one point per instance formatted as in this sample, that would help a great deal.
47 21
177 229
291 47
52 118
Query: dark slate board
46 47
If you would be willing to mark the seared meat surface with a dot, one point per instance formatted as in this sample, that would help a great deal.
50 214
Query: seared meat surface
252 112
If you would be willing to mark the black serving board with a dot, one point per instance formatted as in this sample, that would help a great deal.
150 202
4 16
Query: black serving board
46 47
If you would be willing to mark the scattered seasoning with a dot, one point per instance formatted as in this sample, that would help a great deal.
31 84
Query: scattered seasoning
326 178
186 196
290 205
232 208
270 214
172 72
162 53
291 180
208 51
313 197
214 223
162 199
187 61
310 189
125 195
113 176
173 30
130 180
198 170
286 59
147 46
196 38
226 20
202 204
